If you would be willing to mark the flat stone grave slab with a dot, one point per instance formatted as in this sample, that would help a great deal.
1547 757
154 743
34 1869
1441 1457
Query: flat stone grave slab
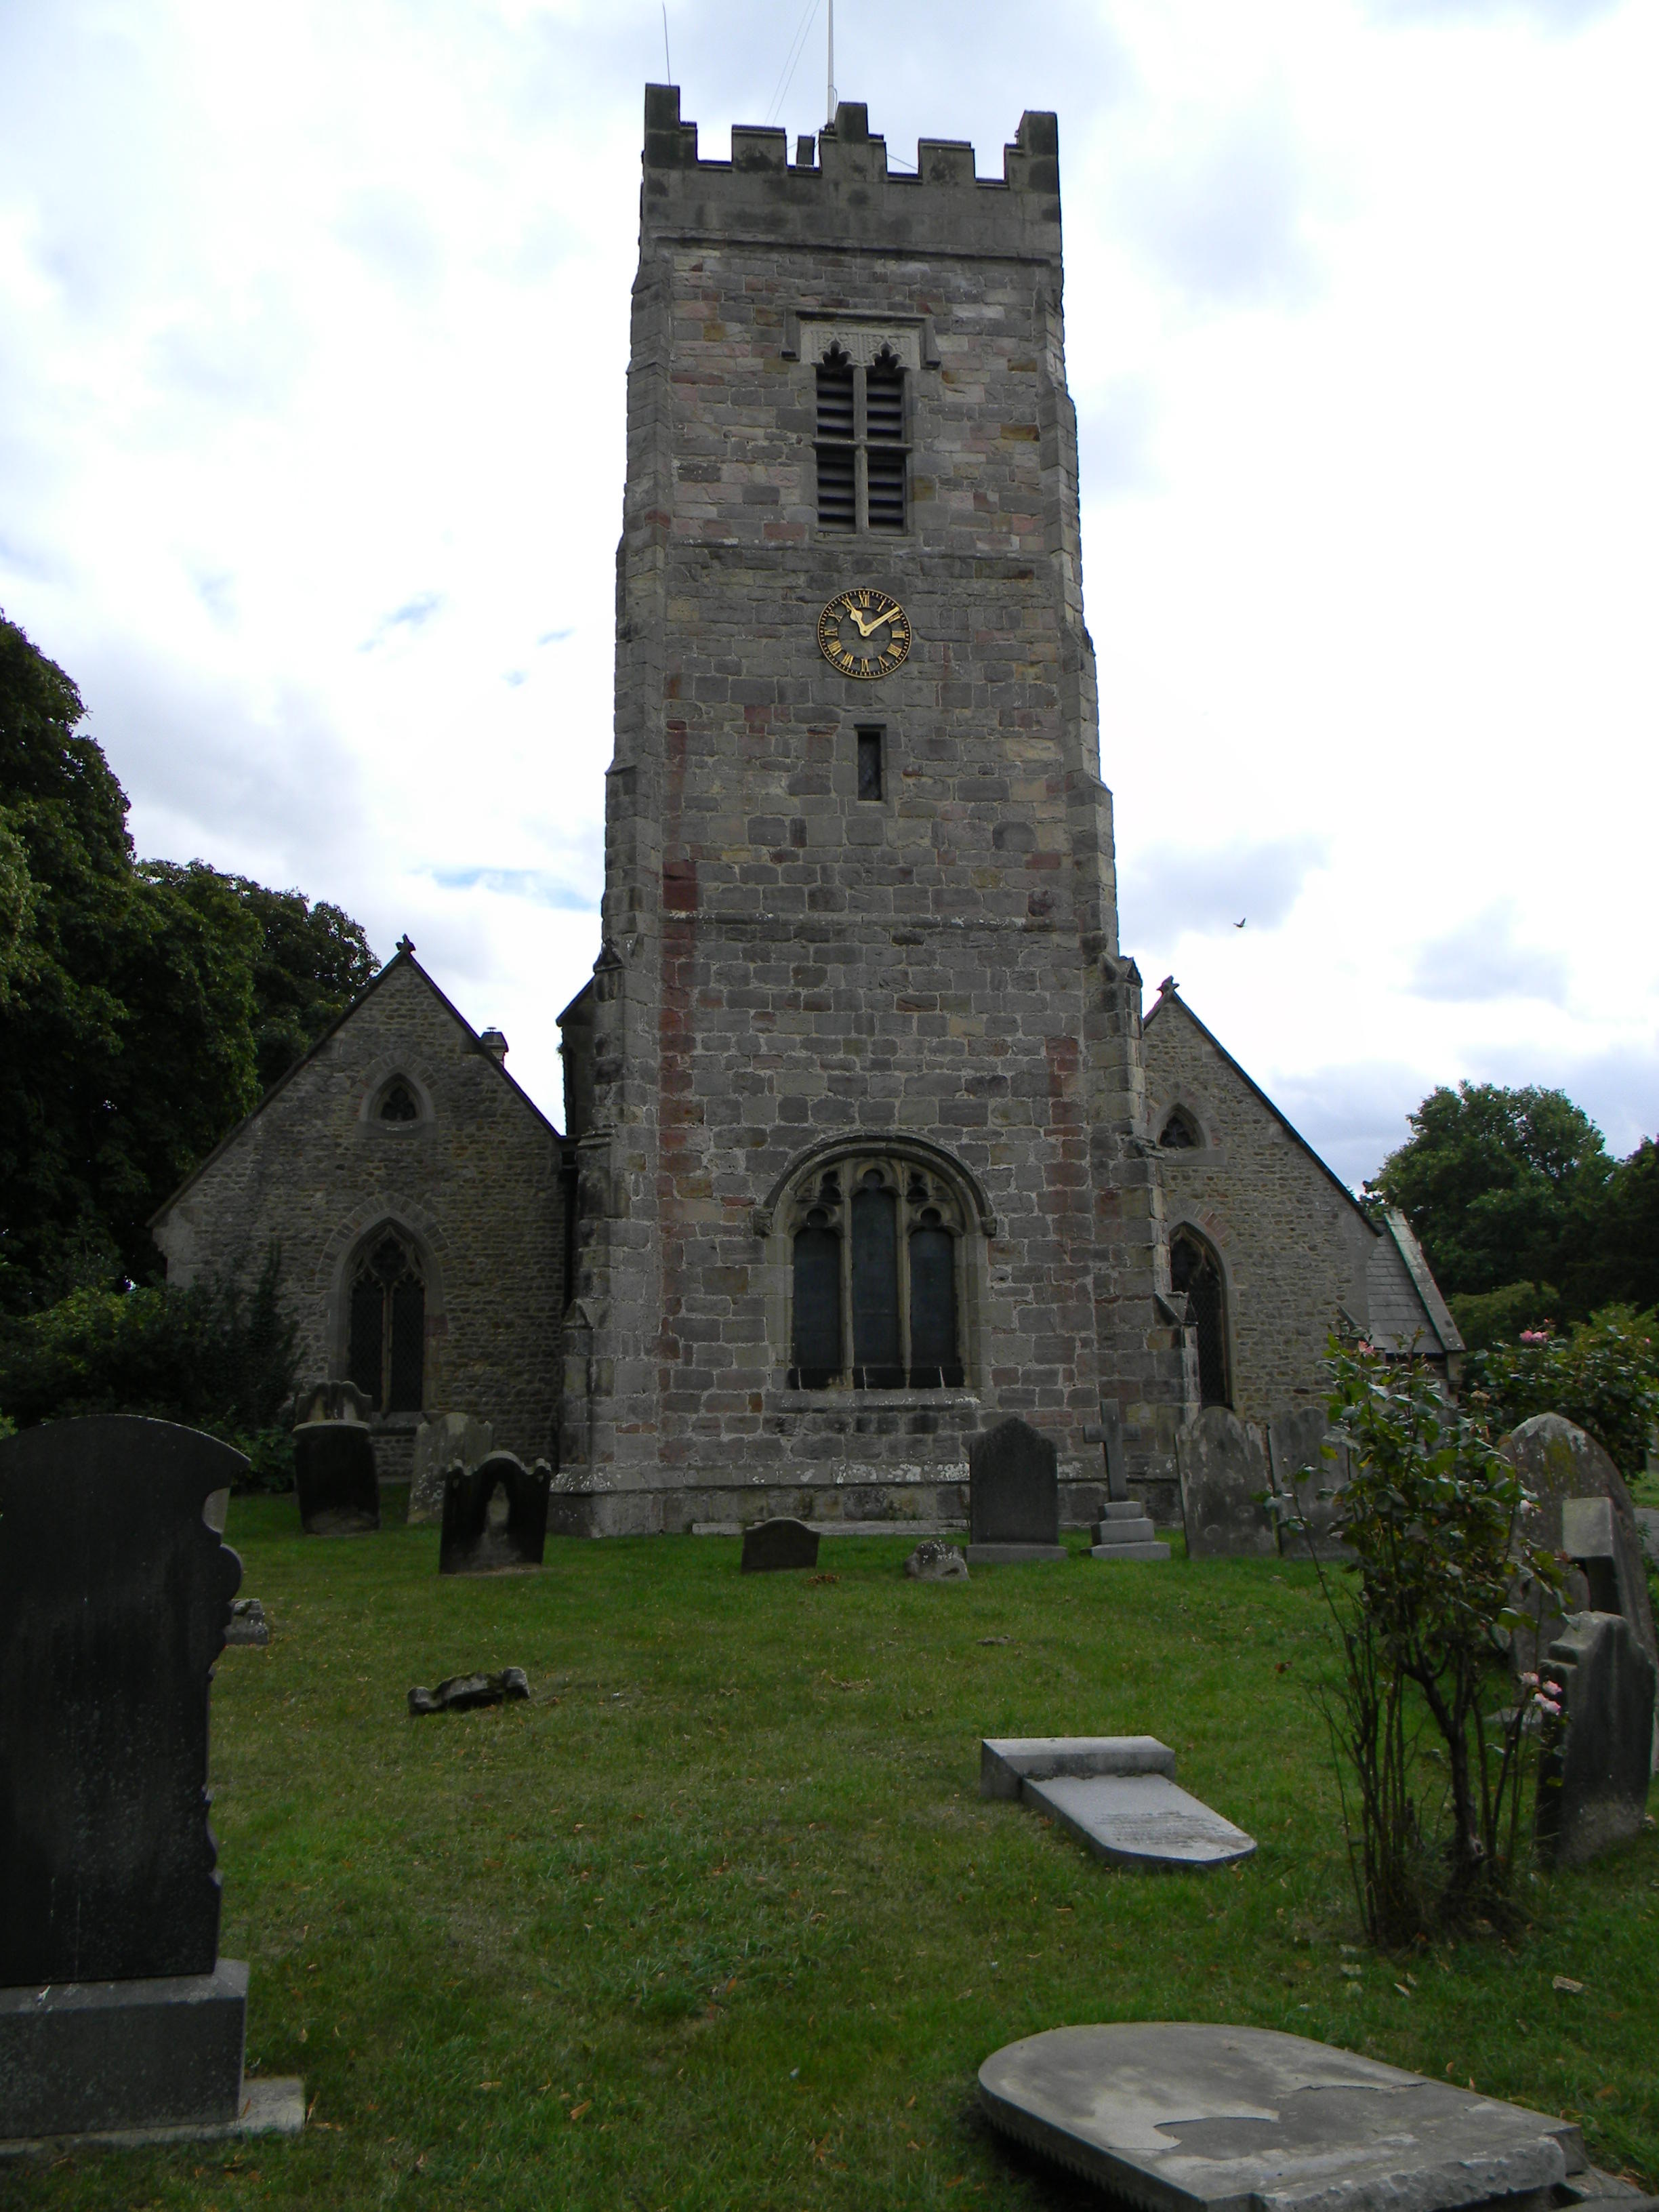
778 1546
1177 2116
1006 1761
1139 1821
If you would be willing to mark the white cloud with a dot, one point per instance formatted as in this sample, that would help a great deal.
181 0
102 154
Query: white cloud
1483 959
1171 891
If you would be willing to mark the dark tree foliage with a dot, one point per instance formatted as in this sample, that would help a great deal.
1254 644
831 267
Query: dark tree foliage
311 962
1502 1187
140 1005
207 1356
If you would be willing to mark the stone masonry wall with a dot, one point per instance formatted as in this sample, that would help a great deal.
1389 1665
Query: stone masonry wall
476 1181
786 965
1294 1246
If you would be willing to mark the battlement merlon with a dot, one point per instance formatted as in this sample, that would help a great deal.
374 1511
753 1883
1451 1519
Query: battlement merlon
847 197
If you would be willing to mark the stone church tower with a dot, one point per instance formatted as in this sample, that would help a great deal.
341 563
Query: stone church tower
858 1080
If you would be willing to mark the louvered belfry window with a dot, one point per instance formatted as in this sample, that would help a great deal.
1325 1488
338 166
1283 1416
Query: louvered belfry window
862 447
875 1250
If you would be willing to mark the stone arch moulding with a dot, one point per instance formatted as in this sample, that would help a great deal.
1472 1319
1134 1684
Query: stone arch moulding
1182 1099
890 1147
377 1079
346 1245
1212 1232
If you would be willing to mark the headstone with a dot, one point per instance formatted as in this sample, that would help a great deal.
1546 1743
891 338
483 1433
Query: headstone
1594 1766
1558 1462
1310 1467
771 1546
464 1693
331 1401
1201 2118
440 1440
494 1518
1224 1484
1116 1794
1588 1539
1013 1496
933 1562
334 1464
1124 1531
116 2011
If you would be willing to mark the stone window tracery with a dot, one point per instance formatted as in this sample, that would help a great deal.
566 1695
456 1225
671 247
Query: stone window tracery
398 1102
1181 1133
386 1355
877 1276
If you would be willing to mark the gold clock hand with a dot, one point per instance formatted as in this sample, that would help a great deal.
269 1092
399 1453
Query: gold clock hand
874 624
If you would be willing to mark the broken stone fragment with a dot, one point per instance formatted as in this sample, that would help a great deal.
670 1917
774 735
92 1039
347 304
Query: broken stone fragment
459 1693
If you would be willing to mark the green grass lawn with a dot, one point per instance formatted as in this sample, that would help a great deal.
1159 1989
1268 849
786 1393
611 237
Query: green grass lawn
718 1919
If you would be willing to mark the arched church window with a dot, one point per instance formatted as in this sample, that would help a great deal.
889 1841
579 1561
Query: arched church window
1180 1132
876 1248
397 1102
1195 1271
386 1351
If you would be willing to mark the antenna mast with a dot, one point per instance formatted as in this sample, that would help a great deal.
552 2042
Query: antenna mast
831 116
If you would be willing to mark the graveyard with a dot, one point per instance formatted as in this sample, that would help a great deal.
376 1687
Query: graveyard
717 1916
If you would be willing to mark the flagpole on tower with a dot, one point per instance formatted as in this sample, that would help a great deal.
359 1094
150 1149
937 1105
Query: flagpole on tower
831 116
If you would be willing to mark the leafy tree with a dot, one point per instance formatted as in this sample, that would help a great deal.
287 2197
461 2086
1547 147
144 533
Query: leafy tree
142 1007
1624 1262
311 963
1502 1187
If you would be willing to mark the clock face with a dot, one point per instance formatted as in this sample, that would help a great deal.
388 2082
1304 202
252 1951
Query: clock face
864 633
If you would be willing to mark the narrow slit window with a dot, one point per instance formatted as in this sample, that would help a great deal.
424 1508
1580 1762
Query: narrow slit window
870 762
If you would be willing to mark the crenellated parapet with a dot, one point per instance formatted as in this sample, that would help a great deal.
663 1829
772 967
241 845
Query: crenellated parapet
839 188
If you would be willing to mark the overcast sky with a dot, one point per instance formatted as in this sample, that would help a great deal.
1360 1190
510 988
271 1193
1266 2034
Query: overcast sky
312 328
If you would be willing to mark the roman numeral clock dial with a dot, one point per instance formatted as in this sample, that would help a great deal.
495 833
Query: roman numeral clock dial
864 633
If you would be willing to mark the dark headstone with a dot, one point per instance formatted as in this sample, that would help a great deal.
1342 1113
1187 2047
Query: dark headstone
334 1478
933 1562
460 1693
1310 1472
494 1518
113 1598
1558 1462
1013 1495
1223 1483
770 1546
1593 1771
85 2057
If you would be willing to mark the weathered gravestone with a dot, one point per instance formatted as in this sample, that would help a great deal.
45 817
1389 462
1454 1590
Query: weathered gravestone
465 1693
1013 1496
1201 2118
1559 1464
494 1518
334 1474
935 1562
1593 1769
1224 1484
116 2012
440 1440
1310 1472
775 1547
